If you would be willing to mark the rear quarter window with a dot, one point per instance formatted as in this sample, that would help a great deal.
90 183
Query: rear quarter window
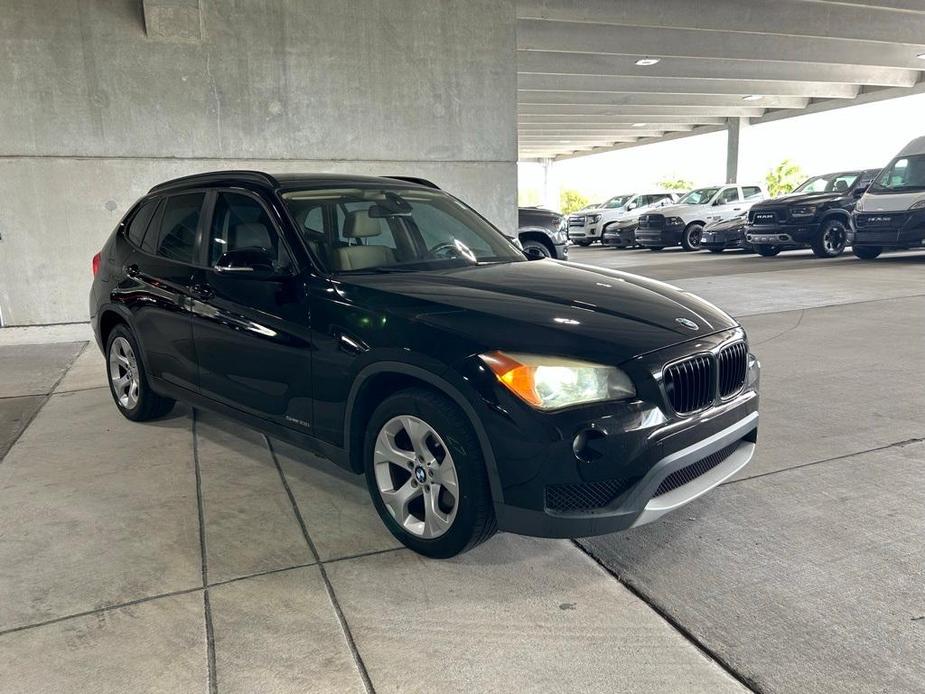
140 222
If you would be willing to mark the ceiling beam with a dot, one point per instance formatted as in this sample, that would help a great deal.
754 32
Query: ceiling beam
553 63
715 101
626 145
679 85
577 37
618 121
781 17
639 112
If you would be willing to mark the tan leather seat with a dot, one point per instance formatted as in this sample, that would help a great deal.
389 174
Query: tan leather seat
359 225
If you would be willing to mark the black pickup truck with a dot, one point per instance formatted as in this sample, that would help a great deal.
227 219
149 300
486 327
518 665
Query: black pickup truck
816 215
540 233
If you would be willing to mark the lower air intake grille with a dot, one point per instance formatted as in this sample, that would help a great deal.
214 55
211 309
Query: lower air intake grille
566 498
733 363
690 384
679 478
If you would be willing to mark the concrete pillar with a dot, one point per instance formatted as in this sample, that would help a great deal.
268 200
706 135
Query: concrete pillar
550 196
735 129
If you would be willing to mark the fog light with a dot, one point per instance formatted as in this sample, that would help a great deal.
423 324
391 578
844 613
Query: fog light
588 445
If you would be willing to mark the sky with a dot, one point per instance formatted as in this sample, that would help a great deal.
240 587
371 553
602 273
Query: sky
864 136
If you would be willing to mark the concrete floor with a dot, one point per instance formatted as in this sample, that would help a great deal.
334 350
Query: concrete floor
192 554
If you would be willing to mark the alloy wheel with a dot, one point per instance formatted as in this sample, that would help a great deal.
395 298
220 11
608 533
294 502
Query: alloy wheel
416 477
834 238
123 372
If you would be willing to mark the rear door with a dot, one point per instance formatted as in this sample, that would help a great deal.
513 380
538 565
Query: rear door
160 274
252 335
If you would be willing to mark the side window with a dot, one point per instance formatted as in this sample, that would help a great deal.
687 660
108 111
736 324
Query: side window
750 191
240 221
139 224
727 196
177 240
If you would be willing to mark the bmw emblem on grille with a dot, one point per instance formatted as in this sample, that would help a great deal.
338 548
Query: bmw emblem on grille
687 323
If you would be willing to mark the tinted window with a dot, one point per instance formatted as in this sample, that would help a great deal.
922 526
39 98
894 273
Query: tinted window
750 191
139 223
178 227
239 221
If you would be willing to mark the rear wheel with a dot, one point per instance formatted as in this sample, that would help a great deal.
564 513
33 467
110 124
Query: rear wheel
128 382
867 252
831 240
766 250
692 236
426 474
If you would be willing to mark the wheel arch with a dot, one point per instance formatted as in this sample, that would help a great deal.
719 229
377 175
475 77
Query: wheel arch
376 381
841 214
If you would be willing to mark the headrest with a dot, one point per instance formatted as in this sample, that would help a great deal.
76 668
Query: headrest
359 225
841 184
251 235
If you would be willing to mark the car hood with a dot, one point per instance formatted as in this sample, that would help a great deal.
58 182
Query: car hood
545 306
889 202
677 210
799 199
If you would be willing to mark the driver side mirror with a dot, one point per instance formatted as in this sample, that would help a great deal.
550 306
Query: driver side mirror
858 192
249 263
533 253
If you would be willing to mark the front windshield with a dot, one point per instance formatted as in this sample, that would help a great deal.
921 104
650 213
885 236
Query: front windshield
616 201
904 174
829 183
374 229
700 196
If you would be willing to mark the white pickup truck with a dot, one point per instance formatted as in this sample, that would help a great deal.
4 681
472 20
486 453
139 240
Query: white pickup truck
682 224
587 226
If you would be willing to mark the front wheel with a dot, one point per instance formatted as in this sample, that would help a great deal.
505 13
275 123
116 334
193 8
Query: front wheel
766 250
539 249
867 252
426 474
831 240
692 236
128 382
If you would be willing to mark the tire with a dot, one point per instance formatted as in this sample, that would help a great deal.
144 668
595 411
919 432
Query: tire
831 240
690 237
766 250
867 252
538 246
716 250
444 436
128 382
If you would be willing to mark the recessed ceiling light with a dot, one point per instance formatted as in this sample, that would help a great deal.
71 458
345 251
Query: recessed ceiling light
751 97
646 62
638 125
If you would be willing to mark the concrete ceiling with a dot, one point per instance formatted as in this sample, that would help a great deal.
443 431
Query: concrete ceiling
580 90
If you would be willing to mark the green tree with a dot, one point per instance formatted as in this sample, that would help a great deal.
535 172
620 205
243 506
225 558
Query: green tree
676 184
571 201
783 178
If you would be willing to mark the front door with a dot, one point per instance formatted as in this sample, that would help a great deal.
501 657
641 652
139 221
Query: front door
252 335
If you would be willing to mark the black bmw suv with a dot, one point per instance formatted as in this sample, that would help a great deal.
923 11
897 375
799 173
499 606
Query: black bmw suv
816 215
385 325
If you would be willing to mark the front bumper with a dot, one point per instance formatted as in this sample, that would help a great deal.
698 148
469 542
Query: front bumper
649 237
782 234
619 236
560 251
629 449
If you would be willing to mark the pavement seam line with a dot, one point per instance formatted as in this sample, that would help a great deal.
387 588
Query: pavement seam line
98 610
206 604
895 444
815 308
328 587
47 397
671 621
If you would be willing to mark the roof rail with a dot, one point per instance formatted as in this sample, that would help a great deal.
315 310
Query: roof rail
415 179
213 176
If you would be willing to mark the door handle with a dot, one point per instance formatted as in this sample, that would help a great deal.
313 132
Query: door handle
201 291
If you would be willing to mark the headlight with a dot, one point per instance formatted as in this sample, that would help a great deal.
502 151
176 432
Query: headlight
549 383
674 221
594 218
803 211
917 205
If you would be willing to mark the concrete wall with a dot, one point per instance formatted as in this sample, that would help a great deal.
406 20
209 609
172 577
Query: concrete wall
99 105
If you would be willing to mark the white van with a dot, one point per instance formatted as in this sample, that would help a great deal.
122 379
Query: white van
891 214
